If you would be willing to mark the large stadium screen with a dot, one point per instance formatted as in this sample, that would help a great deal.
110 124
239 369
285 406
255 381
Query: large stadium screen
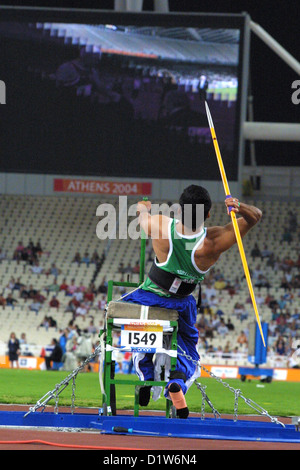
123 95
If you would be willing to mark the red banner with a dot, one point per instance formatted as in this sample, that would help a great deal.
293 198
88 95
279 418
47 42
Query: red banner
117 188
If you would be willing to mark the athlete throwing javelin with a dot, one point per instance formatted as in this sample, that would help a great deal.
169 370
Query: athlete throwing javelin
185 250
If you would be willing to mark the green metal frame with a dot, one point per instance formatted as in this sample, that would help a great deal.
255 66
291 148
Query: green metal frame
109 380
108 376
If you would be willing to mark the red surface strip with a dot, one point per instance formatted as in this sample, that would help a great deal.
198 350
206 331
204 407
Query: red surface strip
72 446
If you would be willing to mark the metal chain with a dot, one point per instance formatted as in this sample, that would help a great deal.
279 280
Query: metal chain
237 393
205 398
73 394
248 401
72 376
42 402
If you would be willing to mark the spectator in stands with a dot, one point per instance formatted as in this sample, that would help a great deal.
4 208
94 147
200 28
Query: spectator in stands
280 346
236 354
55 357
18 285
272 261
10 301
63 340
35 306
237 310
95 258
219 352
82 288
234 287
257 272
40 297
215 321
64 286
136 268
282 303
45 323
72 306
2 255
89 297
281 323
20 247
230 325
287 280
242 339
13 350
77 258
244 313
296 314
71 330
266 253
287 236
38 248
210 291
272 328
294 355
255 252
81 311
51 322
220 313
36 268
222 328
102 303
54 302
23 339
259 299
54 287
121 268
32 292
213 303
11 284
2 301
71 288
53 271
220 284
227 351
204 306
262 281
271 302
92 328
70 361
78 295
103 286
86 259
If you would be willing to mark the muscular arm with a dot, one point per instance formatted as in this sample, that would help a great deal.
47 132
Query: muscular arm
155 227
224 237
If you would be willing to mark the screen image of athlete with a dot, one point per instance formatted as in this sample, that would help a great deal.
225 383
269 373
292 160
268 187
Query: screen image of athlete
185 250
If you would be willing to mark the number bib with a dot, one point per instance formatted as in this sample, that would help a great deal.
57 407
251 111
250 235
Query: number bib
142 337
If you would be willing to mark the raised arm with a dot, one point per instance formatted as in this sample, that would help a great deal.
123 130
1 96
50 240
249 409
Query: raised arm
224 237
156 228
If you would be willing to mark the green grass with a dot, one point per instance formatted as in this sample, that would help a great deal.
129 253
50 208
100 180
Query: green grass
27 387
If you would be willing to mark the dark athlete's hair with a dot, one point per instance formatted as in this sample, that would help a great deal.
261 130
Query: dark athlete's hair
195 204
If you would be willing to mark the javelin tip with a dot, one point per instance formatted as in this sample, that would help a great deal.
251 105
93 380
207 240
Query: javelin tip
210 121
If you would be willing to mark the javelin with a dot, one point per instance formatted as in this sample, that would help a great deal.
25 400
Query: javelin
233 218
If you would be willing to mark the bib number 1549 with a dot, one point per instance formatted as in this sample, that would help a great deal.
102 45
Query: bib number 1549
142 337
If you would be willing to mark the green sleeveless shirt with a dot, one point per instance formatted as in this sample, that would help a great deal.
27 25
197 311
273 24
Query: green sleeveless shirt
180 260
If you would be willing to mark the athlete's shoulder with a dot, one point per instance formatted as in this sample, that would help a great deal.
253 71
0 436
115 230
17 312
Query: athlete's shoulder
213 232
160 226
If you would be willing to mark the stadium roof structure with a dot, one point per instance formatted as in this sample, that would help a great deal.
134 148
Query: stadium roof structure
217 36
